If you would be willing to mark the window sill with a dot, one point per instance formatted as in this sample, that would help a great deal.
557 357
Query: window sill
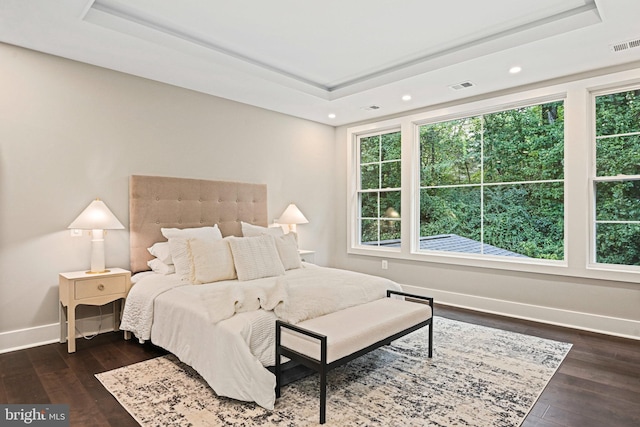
519 265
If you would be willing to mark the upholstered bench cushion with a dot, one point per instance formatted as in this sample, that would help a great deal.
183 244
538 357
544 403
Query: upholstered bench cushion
354 328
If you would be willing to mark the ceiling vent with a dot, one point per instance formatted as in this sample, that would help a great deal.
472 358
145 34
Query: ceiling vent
371 108
463 85
630 44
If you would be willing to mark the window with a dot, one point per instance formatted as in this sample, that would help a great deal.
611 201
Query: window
493 184
542 181
379 183
616 184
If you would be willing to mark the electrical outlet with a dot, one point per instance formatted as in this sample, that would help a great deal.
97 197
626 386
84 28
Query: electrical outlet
76 232
385 264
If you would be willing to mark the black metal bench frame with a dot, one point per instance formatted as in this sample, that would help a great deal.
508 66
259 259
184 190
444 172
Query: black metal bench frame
322 367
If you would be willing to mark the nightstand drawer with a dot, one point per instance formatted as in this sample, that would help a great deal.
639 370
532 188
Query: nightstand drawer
100 286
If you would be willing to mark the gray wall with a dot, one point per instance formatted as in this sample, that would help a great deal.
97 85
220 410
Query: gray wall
71 132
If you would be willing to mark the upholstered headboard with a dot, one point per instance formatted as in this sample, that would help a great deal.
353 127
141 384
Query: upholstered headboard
157 202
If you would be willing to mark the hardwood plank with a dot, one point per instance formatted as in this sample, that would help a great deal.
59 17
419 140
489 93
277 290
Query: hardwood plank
14 363
596 404
46 359
3 391
64 386
533 421
25 387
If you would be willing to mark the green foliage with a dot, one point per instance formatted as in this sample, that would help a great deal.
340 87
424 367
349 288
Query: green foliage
522 144
450 211
450 152
618 244
618 113
618 153
618 156
618 201
380 169
472 172
526 219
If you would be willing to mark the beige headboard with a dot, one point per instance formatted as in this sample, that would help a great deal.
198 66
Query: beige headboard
157 202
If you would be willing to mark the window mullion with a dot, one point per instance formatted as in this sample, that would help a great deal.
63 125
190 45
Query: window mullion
482 184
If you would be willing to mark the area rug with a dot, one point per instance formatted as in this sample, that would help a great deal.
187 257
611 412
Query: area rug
478 376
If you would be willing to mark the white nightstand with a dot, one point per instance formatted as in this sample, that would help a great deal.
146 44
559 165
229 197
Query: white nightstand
79 287
306 256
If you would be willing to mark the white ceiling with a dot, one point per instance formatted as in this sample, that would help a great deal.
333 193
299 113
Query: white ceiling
313 58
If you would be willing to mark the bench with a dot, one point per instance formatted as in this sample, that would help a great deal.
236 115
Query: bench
329 341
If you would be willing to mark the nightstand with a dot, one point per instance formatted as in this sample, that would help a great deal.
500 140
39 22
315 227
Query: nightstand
306 256
79 287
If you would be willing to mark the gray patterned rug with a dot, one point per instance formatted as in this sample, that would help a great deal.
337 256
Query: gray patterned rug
478 377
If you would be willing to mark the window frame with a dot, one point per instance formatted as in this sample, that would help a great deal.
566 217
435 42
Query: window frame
355 188
594 179
482 184
576 91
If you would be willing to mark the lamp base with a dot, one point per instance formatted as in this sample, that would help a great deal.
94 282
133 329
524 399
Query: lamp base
97 272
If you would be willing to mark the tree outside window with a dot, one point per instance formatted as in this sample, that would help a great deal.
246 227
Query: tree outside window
616 184
494 183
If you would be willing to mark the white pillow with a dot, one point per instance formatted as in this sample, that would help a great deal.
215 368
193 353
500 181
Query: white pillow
250 230
181 255
199 233
157 266
161 251
287 246
256 257
212 260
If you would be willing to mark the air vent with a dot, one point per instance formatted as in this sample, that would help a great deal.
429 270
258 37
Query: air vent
463 85
630 44
371 108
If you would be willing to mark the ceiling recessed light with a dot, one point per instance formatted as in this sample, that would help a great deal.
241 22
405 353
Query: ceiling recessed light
515 70
406 98
332 116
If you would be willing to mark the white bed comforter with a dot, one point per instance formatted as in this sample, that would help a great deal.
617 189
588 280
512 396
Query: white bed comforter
226 330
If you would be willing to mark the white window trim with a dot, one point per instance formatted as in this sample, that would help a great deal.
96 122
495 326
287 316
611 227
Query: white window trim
577 180
481 184
353 187
592 265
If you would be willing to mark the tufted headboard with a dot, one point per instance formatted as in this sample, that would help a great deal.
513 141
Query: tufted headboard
162 202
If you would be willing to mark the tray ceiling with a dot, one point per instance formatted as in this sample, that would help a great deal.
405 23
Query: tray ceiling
313 58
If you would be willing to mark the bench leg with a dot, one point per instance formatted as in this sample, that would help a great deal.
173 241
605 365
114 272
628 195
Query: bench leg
278 368
431 338
323 396
323 380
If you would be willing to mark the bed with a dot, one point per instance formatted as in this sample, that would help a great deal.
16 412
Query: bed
210 280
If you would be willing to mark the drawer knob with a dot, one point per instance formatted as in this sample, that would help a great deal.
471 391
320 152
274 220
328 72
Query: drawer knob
101 287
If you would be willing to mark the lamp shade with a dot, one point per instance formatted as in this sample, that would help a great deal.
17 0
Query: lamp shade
96 216
292 215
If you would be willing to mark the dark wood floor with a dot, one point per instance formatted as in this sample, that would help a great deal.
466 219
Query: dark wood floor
598 384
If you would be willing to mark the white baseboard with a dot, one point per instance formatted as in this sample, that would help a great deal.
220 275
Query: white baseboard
47 334
624 328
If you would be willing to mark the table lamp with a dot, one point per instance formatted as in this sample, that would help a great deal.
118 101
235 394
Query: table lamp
292 216
97 217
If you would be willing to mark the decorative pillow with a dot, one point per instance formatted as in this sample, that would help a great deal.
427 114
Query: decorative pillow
181 255
256 257
161 251
250 230
199 233
287 246
157 266
212 260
